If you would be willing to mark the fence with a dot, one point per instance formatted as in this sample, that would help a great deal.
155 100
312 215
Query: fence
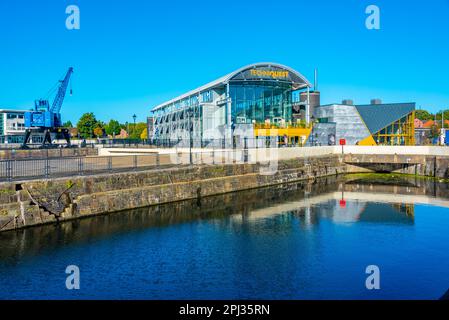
236 142
12 154
54 167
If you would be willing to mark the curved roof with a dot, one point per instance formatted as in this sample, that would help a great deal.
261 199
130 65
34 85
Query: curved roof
296 78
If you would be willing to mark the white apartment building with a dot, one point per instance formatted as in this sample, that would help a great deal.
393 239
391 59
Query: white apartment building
12 126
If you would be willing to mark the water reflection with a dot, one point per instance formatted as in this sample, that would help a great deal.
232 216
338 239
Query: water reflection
336 199
299 241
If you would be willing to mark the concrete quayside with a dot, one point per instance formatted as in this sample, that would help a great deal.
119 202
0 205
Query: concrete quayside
36 202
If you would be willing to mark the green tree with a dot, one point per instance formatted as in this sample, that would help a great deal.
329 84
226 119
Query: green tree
446 117
98 132
434 132
113 127
86 125
424 115
136 131
67 124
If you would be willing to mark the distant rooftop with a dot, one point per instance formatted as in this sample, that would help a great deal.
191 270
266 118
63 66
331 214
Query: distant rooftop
12 110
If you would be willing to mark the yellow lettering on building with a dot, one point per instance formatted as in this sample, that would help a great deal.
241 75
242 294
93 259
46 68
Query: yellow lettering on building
268 73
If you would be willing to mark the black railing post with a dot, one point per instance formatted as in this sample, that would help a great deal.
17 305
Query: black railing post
80 166
245 150
110 163
47 167
158 160
135 162
9 169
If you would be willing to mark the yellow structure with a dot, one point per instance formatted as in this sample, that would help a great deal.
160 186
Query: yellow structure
400 132
295 134
369 141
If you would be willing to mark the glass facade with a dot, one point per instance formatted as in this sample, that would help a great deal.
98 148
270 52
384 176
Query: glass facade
398 133
261 102
246 103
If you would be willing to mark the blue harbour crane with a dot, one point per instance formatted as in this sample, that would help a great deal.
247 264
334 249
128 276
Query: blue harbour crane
46 120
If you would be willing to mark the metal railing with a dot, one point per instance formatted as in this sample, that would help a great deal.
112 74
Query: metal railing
259 142
12 154
45 168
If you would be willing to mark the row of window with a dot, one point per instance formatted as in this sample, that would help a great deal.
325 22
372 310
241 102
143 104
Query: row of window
11 116
11 139
206 96
259 103
16 127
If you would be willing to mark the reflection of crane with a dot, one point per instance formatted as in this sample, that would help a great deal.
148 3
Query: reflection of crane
46 119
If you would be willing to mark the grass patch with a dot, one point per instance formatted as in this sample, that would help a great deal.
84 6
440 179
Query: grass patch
390 178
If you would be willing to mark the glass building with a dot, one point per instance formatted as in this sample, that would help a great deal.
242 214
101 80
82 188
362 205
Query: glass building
373 124
255 103
267 103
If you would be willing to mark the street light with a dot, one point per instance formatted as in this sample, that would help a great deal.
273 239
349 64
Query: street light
134 128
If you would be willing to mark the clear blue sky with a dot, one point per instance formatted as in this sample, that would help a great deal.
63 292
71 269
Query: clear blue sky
131 55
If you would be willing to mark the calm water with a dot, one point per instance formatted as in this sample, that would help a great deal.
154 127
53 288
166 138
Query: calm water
301 241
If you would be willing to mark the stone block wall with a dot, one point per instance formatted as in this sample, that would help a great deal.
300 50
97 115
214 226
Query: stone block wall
39 202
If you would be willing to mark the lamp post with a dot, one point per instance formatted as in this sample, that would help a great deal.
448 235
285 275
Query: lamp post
190 114
134 128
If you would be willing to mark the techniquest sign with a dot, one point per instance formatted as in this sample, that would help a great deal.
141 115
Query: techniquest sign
269 73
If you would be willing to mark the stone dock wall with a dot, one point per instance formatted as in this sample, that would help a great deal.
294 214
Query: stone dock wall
420 165
39 202
46 201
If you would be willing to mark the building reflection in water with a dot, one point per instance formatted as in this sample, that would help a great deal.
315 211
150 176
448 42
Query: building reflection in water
286 208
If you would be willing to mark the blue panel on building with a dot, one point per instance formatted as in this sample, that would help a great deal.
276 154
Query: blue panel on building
379 116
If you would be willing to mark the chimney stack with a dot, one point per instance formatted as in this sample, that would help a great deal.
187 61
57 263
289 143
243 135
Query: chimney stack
348 102
376 101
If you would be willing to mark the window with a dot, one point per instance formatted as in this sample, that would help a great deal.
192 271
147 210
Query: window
15 139
207 96
193 100
260 102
